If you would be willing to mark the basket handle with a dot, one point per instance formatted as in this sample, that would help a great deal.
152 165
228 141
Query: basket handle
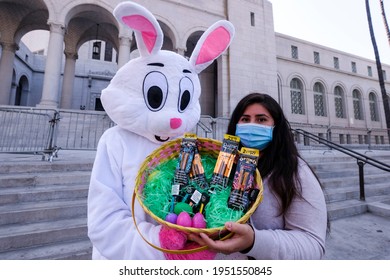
187 251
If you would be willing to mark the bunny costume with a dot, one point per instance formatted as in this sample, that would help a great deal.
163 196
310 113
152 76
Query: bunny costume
152 99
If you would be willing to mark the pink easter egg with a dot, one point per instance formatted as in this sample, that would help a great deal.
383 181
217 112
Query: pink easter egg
184 219
198 221
171 218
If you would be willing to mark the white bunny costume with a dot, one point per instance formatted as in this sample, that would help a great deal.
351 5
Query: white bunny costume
152 99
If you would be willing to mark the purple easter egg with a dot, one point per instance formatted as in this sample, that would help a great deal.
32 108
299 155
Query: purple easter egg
184 219
198 221
171 218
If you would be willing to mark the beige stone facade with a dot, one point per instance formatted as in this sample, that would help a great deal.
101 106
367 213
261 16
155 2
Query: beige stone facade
72 23
259 59
324 73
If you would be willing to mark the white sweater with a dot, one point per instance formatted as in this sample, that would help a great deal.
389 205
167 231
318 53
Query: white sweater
300 234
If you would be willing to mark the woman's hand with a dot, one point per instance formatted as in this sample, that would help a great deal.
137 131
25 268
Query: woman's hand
242 239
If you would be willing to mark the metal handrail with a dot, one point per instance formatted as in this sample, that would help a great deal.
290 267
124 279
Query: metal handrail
361 159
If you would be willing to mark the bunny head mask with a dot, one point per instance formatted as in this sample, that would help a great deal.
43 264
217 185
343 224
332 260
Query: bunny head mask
157 94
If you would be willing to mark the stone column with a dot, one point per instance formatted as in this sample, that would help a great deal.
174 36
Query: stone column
6 70
51 80
181 51
124 51
68 80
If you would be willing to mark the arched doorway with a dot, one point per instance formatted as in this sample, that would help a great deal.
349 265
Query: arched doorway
208 80
21 95
16 19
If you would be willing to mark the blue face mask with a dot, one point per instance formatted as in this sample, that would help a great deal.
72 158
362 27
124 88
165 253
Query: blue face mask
254 135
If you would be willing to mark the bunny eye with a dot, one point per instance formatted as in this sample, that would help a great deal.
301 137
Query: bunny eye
186 92
155 90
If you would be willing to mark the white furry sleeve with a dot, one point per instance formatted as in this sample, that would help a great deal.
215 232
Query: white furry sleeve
110 223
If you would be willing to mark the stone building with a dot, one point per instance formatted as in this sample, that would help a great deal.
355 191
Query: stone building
331 93
322 90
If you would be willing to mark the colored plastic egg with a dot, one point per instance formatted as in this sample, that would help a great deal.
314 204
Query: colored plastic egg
198 221
184 219
182 207
171 218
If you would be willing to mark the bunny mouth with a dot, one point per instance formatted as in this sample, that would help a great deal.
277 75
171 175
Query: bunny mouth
159 139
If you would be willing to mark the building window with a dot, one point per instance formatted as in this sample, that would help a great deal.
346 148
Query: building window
336 63
373 107
369 71
252 19
384 75
353 66
388 99
108 52
96 49
341 139
98 105
296 90
294 52
357 104
316 57
319 99
339 102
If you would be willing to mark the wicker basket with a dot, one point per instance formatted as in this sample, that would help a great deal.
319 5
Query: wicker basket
171 150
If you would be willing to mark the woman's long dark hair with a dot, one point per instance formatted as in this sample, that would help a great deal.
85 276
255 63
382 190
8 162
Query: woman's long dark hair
279 160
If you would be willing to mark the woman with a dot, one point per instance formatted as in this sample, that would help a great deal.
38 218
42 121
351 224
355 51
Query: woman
291 221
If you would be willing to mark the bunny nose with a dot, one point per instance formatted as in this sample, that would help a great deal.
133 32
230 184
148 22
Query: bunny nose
175 123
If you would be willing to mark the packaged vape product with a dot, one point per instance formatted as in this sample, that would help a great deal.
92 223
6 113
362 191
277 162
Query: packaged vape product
225 161
186 156
243 188
197 174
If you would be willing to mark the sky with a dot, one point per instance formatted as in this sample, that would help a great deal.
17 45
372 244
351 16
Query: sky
337 24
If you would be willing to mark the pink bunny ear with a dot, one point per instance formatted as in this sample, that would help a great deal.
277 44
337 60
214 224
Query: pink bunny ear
148 33
212 44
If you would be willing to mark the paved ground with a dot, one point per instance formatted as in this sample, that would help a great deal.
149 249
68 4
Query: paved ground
360 237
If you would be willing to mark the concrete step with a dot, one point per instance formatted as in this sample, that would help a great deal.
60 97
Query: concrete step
339 175
350 172
44 166
79 249
15 195
342 209
376 204
353 167
353 180
43 207
353 192
323 156
44 178
42 211
41 202
380 208
18 236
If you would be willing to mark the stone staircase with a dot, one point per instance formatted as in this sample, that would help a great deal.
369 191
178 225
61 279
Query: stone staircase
43 205
43 213
339 175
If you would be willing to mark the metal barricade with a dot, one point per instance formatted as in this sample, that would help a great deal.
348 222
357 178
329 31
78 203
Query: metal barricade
28 130
81 130
45 131
209 127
